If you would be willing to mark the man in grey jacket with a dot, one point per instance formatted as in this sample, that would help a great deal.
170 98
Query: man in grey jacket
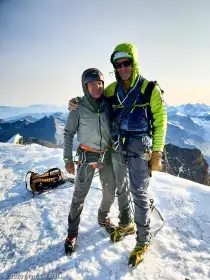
91 122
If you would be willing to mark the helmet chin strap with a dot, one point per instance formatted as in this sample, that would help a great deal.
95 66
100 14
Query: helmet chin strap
90 96
94 102
98 99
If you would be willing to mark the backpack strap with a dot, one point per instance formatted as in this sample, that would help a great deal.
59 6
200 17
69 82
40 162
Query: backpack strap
148 91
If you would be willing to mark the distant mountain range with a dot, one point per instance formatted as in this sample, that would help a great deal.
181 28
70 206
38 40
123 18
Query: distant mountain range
189 110
48 128
19 112
188 125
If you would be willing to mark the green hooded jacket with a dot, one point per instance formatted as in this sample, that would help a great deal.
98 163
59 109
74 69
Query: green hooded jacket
156 102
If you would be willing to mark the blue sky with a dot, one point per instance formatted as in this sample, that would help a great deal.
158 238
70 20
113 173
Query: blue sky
45 45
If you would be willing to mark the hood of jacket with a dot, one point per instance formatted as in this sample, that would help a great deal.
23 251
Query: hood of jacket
132 51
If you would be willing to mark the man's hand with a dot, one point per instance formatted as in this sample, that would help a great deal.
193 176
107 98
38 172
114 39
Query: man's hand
69 166
155 161
73 104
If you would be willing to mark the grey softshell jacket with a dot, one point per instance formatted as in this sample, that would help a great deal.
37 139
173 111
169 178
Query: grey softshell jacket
92 128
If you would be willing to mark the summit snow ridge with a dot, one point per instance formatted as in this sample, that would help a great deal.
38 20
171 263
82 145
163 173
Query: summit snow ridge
33 229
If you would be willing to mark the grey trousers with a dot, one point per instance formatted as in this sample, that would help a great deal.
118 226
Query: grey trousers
121 178
139 181
85 174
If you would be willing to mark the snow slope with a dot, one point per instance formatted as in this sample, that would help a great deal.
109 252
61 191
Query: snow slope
33 230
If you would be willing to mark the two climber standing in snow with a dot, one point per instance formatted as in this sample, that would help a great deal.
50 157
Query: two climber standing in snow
138 130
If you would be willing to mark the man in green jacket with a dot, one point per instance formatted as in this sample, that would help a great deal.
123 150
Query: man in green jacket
139 122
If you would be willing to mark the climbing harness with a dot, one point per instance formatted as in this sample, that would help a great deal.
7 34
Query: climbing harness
89 157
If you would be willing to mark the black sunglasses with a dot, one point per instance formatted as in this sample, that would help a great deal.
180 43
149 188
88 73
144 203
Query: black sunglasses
125 63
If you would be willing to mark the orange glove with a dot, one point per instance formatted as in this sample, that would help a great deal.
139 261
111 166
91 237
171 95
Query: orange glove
73 104
69 166
155 161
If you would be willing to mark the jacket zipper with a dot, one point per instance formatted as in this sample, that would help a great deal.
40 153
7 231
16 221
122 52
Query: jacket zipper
99 122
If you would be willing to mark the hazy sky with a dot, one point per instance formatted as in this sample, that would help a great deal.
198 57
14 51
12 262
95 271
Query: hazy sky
45 45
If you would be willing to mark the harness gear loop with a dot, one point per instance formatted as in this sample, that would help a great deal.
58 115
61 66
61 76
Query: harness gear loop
116 144
94 164
85 151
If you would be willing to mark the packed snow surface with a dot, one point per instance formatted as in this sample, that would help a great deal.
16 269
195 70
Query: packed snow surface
33 229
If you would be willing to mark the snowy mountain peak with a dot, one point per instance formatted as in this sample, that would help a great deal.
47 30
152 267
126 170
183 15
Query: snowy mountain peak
8 112
189 109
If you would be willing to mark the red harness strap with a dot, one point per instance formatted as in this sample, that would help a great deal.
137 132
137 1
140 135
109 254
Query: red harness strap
88 149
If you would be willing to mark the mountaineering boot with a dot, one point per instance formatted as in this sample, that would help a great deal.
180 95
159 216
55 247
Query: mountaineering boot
105 222
125 217
70 244
121 231
107 225
138 254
